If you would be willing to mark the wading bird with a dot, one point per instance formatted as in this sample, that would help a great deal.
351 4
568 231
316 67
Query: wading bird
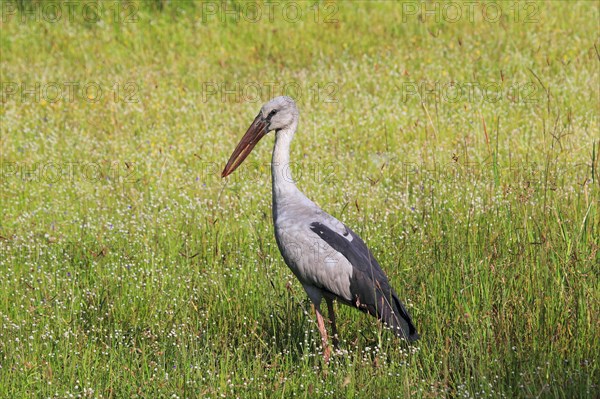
328 258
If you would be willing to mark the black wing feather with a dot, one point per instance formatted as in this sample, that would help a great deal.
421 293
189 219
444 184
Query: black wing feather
369 285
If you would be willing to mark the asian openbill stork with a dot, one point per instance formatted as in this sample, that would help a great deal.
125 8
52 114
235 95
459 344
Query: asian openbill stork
328 258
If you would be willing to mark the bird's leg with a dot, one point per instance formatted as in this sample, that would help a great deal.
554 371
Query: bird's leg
331 314
323 331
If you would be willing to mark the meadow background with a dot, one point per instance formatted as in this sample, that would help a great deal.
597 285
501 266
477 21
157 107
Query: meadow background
460 140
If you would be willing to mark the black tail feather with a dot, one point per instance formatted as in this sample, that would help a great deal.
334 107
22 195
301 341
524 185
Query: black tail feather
393 313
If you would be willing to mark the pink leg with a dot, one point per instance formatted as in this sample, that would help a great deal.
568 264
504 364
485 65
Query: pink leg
323 331
331 314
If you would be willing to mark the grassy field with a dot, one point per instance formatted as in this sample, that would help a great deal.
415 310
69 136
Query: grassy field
460 140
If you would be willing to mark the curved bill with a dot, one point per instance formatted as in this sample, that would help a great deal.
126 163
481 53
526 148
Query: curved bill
255 132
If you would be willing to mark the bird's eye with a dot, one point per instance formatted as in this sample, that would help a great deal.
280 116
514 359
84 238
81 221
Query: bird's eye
273 112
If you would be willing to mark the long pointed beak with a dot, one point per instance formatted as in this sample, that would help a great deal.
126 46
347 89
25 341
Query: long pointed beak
255 132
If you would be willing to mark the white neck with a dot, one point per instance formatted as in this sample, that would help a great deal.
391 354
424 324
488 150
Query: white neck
281 173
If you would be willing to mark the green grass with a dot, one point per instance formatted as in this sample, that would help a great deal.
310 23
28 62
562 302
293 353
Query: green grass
129 268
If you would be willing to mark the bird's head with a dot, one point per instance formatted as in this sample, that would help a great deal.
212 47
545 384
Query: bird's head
278 114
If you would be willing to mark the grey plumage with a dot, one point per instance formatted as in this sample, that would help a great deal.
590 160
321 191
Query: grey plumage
329 259
369 286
